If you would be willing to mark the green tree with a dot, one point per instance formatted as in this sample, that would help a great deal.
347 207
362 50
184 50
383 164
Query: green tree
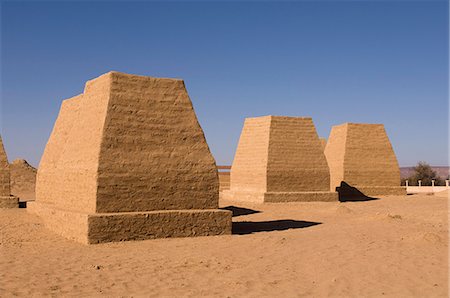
424 172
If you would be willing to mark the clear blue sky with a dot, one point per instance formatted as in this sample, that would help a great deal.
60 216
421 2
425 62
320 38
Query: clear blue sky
336 61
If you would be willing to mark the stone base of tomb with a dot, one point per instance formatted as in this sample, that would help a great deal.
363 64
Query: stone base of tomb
370 191
279 197
9 202
123 226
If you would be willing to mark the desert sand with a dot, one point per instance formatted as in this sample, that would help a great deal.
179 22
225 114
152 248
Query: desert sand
391 247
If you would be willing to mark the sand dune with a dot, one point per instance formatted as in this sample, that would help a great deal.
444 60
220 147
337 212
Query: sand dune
392 247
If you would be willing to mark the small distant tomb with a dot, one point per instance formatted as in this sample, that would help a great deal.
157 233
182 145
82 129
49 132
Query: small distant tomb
361 158
279 159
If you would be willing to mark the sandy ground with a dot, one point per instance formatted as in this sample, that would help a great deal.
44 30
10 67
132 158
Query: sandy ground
392 247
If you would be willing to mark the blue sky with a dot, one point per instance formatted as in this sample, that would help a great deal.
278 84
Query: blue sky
336 61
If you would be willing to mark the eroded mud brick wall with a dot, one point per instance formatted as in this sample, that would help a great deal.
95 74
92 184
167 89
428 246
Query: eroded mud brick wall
296 161
249 169
4 172
362 155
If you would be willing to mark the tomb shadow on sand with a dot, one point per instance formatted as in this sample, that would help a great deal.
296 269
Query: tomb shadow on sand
248 227
348 193
238 211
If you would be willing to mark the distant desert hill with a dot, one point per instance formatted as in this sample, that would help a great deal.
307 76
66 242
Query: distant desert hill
23 180
441 171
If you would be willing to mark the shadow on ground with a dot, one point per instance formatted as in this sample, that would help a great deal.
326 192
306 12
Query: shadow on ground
247 227
348 193
238 211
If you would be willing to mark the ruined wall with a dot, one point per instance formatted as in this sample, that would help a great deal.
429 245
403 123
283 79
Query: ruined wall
4 172
296 161
362 156
249 169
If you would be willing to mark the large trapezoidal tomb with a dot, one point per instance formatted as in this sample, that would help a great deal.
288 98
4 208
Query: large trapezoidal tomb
279 159
6 199
361 156
127 159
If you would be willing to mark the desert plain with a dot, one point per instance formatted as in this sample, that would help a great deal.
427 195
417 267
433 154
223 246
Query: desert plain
395 246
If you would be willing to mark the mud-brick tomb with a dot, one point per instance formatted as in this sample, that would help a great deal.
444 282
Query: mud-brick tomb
360 157
6 199
128 160
279 159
